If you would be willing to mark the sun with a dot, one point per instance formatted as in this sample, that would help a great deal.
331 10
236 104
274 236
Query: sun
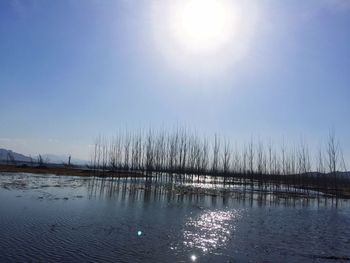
203 25
203 37
203 20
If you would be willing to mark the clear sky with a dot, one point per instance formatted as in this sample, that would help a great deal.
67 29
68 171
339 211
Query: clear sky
70 70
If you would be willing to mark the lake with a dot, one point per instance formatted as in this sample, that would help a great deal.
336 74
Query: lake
49 218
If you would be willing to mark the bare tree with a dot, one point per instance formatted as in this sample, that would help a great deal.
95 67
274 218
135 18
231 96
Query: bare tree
333 155
40 161
216 149
226 157
251 156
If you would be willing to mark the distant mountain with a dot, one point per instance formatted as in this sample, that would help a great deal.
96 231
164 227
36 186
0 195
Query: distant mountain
63 158
8 155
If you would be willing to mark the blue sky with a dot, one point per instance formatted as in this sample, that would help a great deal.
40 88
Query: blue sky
71 70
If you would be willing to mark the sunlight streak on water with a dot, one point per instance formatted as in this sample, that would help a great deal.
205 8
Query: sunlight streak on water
210 230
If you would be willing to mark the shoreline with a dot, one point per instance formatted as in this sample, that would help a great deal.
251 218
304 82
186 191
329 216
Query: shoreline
86 172
63 170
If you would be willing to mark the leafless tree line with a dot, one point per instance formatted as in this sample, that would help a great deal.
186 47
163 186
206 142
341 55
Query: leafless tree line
184 152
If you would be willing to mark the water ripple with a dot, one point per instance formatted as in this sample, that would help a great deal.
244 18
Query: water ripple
210 230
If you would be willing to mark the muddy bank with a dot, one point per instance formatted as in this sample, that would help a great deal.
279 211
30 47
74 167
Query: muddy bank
64 170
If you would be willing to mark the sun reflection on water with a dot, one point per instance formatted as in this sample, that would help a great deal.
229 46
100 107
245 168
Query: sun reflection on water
210 230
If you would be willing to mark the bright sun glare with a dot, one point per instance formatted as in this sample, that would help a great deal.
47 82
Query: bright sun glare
203 36
203 20
203 25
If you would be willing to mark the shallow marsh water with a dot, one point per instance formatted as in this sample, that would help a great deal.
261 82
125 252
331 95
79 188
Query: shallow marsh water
48 218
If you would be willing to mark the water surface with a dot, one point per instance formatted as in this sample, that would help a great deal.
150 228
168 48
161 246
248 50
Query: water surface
163 219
